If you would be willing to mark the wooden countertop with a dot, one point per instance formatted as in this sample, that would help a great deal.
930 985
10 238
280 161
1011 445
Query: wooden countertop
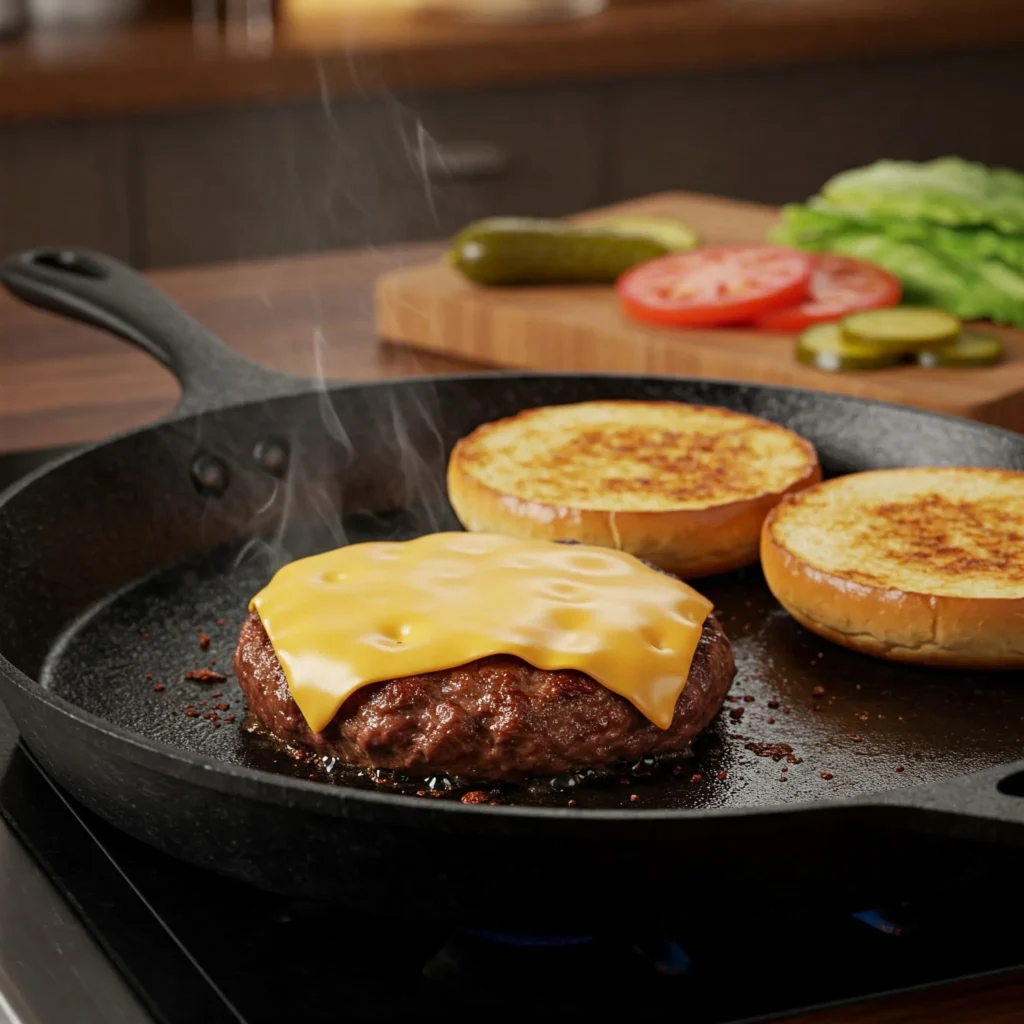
61 384
992 1000
164 65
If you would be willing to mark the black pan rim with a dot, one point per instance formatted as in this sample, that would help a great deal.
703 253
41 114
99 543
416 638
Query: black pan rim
314 386
342 801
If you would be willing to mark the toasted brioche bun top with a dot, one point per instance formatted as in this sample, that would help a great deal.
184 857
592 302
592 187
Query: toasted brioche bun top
635 456
949 532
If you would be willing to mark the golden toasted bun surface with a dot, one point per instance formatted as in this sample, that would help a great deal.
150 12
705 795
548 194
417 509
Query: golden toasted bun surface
918 565
635 456
950 532
685 487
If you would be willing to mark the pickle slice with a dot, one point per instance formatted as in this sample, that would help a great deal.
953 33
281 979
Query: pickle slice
970 349
674 235
824 347
907 328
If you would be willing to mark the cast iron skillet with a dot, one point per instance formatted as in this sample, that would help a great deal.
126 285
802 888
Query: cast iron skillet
112 559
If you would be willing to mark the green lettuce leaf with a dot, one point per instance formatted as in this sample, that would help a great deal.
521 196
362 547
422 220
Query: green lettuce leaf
947 191
974 273
819 220
928 279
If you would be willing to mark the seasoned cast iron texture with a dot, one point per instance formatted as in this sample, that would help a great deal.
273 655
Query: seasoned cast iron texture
96 595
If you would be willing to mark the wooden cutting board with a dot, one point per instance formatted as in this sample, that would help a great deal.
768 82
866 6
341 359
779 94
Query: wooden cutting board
582 328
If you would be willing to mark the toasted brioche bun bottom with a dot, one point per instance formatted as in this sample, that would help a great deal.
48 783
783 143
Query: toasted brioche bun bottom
926 629
687 542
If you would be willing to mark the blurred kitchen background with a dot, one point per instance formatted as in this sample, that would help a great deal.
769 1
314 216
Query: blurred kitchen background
174 132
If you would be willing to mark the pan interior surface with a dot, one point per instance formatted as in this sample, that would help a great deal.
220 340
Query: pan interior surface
805 721
105 603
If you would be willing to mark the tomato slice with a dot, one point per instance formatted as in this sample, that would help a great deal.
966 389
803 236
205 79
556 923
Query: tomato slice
839 285
717 285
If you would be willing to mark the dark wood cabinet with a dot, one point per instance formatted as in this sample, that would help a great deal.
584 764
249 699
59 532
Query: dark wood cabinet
66 184
241 184
776 135
229 184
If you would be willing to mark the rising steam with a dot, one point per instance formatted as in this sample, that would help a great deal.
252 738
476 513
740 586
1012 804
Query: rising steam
303 513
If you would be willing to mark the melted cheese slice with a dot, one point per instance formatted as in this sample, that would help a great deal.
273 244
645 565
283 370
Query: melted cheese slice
369 612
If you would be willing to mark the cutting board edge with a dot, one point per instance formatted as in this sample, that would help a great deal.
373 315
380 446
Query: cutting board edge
403 323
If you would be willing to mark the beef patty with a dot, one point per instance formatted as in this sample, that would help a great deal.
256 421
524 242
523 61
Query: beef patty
495 718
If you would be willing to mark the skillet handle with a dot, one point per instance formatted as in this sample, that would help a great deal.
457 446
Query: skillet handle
986 805
103 292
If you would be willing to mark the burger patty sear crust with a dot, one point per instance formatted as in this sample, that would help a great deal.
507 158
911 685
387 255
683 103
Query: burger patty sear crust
496 718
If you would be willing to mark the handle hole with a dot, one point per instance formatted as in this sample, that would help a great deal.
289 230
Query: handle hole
1012 785
68 262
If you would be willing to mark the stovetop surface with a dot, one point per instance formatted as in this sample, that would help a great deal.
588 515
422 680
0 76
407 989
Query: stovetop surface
199 947
195 946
